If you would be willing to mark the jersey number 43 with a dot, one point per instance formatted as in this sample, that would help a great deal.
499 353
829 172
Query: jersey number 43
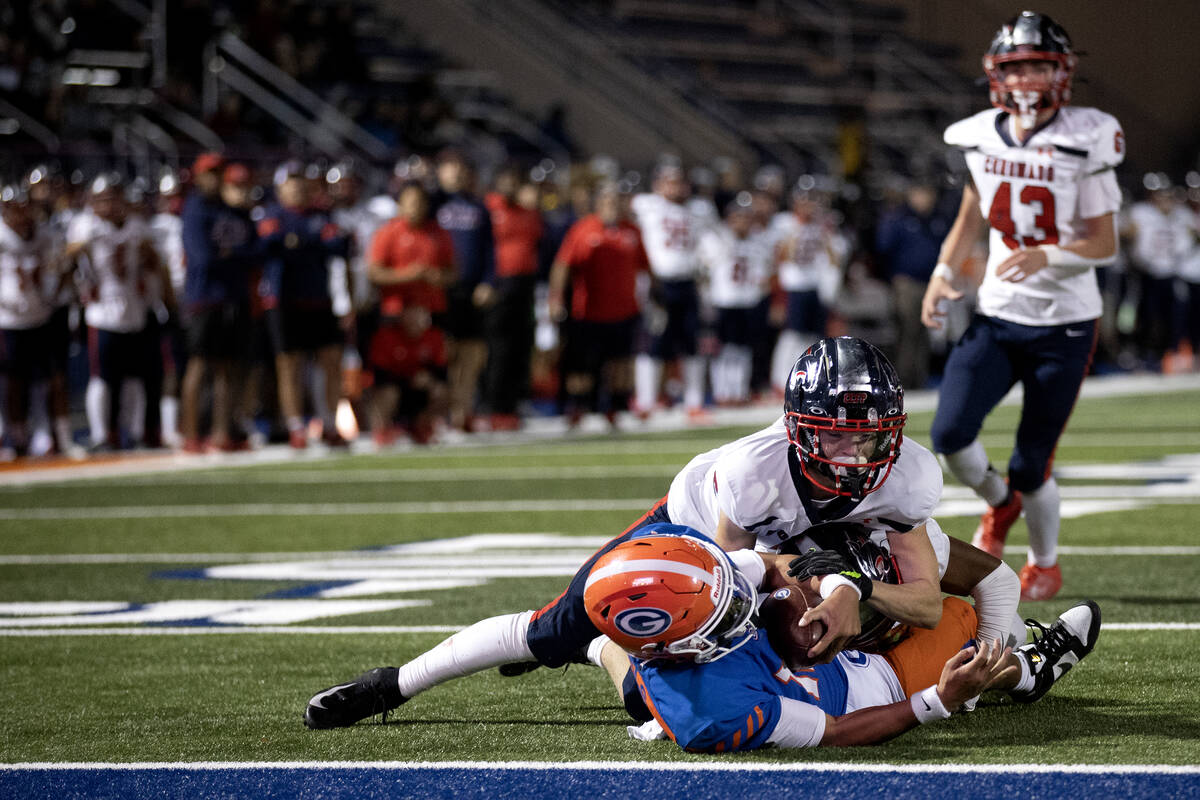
1000 215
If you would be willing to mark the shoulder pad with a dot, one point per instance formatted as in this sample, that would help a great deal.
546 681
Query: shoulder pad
972 131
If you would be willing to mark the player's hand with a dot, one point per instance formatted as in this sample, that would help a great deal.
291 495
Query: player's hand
971 670
1021 264
937 294
839 612
483 295
816 563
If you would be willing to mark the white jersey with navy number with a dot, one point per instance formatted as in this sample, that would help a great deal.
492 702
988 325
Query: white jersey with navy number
116 295
1039 193
737 269
1161 241
807 251
670 232
756 483
27 279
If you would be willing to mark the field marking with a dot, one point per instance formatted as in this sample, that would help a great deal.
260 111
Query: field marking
620 766
394 630
327 509
75 559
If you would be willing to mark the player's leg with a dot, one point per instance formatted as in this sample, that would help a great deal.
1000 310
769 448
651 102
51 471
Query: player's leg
978 374
97 396
1056 362
558 633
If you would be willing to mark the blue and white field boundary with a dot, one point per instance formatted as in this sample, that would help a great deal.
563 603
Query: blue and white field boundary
593 779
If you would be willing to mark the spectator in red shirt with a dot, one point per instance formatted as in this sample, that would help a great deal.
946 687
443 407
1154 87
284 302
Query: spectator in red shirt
411 258
517 229
601 257
408 359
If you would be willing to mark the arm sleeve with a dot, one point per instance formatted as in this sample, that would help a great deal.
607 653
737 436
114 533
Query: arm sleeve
800 725
751 565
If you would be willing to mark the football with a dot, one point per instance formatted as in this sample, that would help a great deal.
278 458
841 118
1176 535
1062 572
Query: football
779 615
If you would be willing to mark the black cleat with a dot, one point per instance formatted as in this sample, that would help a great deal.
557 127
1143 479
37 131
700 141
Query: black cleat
517 668
373 692
1060 647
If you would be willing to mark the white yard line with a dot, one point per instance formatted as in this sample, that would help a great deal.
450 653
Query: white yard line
585 542
390 630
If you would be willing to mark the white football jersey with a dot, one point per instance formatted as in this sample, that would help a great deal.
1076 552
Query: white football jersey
167 232
670 233
738 269
751 482
1161 241
361 222
116 299
27 278
1038 193
806 252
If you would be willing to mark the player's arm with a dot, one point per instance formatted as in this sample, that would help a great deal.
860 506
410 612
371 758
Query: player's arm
966 230
965 675
730 537
1097 245
918 600
559 271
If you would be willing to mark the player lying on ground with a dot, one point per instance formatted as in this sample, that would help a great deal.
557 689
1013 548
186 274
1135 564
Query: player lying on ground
717 610
675 610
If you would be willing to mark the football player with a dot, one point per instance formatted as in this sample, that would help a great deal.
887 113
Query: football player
670 232
117 252
29 277
699 671
737 261
677 613
769 489
1042 179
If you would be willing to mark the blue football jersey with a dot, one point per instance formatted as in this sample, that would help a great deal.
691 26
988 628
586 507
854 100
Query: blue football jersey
734 703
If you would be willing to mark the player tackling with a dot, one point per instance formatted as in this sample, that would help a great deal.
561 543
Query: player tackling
1042 178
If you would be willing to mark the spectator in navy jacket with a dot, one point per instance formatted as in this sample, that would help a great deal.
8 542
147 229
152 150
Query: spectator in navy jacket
220 249
907 241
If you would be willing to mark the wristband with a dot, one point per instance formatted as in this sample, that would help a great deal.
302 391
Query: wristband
1058 257
927 705
831 582
944 271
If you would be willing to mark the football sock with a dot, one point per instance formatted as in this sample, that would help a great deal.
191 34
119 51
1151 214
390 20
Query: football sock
488 643
1025 682
594 649
693 382
96 402
647 372
1042 509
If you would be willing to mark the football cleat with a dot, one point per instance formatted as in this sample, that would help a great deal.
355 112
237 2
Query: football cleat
1059 647
994 524
1039 583
373 692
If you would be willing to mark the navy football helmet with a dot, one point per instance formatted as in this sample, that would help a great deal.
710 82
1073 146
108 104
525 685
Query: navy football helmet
844 413
1030 36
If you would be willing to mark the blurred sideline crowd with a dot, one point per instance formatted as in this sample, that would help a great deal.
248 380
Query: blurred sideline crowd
228 304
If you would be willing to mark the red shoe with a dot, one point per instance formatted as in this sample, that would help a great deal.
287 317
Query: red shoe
574 417
994 524
298 439
699 416
1039 583
505 422
193 445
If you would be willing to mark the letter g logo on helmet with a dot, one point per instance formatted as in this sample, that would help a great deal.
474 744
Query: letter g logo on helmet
642 622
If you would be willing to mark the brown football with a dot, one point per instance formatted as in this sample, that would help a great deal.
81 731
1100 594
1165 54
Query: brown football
779 615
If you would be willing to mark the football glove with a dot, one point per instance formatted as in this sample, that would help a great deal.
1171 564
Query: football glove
827 562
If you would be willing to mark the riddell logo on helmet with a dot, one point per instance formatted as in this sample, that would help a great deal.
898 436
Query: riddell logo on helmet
854 398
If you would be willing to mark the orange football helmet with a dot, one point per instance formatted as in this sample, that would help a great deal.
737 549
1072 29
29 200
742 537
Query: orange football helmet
670 596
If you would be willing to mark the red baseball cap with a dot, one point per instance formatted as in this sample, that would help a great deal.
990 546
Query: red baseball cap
236 173
207 162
